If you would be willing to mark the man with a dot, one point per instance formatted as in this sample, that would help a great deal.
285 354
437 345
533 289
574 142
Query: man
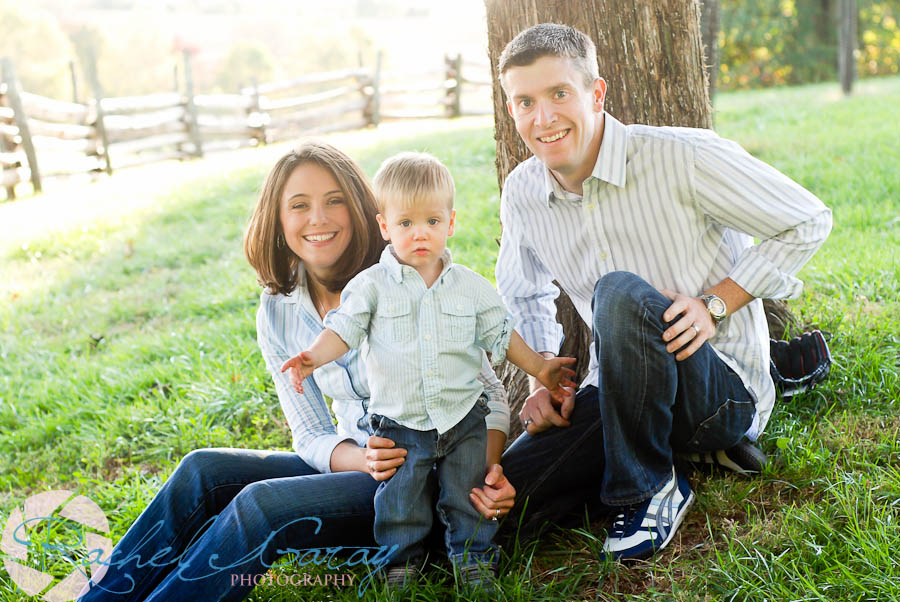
650 232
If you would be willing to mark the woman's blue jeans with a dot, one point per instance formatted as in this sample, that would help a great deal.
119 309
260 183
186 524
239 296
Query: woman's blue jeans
619 447
253 506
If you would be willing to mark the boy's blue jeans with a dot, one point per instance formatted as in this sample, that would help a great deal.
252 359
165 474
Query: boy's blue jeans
646 405
403 503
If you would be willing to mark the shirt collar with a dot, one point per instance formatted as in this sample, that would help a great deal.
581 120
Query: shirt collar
610 164
395 269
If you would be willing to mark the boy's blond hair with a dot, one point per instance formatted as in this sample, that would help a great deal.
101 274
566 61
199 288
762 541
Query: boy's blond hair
407 179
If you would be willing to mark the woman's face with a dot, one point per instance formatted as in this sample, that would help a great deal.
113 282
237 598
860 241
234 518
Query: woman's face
315 218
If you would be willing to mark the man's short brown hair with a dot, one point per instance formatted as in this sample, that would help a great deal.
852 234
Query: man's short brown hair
551 39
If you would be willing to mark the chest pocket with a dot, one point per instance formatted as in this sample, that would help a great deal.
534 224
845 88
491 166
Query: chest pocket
458 319
393 321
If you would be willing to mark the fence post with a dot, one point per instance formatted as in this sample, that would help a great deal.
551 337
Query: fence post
74 81
255 108
455 93
6 146
15 103
98 103
192 123
375 117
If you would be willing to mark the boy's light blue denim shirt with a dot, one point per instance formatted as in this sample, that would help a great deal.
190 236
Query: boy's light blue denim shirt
422 346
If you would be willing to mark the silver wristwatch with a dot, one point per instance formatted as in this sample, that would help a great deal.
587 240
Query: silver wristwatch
716 307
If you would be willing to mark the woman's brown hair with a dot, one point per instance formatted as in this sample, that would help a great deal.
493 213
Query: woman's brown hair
264 246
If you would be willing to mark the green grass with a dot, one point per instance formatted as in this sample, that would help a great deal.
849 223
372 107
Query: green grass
128 340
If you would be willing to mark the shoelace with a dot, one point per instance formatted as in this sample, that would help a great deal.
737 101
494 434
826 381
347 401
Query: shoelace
622 519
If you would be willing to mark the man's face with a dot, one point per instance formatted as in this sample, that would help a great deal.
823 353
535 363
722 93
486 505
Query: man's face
558 118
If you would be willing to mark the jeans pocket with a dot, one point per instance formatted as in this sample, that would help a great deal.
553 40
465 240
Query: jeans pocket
725 427
380 424
482 405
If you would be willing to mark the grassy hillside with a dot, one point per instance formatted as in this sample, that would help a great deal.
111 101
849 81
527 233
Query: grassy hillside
128 340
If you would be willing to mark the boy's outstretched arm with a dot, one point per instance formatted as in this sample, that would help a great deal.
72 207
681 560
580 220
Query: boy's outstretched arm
552 372
327 347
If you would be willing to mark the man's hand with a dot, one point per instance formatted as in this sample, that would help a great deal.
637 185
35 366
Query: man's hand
497 494
382 458
301 366
555 376
539 412
693 328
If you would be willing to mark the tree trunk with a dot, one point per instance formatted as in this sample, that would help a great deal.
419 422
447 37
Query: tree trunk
847 39
709 24
651 54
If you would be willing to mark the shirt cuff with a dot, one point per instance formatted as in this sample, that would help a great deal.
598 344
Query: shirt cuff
756 274
317 453
345 328
501 343
497 420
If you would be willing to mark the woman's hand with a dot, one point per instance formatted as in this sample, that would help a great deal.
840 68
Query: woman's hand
382 458
498 494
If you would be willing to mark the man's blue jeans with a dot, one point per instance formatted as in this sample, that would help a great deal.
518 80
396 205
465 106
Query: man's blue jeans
647 405
403 503
234 508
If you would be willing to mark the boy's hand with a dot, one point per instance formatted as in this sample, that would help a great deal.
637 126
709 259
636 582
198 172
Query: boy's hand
554 375
301 366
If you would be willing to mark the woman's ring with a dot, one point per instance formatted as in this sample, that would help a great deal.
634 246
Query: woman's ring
496 516
696 330
527 422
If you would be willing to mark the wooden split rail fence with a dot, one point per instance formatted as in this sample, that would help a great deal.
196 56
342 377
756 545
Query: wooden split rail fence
42 137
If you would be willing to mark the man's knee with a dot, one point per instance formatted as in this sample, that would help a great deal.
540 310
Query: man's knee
618 295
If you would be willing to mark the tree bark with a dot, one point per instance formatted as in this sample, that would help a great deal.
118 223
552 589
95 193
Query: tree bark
651 54
709 24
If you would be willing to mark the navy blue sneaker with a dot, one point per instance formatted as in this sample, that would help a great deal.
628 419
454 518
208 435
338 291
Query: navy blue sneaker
642 530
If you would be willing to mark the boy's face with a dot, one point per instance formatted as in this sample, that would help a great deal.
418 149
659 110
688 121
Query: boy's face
419 233
557 117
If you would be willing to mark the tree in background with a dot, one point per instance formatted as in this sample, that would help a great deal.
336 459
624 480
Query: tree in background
785 42
38 48
245 63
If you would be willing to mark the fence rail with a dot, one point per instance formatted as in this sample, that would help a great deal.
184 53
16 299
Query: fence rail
105 134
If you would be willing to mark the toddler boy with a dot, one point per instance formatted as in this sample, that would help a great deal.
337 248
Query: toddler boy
426 321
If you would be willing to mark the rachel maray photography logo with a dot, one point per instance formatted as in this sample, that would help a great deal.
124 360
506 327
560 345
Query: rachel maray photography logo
54 514
57 531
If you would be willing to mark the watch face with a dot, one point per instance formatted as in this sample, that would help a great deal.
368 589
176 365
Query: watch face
716 307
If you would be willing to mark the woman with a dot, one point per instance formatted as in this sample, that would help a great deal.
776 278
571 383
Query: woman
312 230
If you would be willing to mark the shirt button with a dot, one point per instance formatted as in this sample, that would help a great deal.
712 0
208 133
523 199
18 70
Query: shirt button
427 337
603 256
431 373
591 206
426 301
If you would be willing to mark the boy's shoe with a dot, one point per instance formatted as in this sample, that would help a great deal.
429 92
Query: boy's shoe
744 458
398 576
799 364
481 577
646 528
